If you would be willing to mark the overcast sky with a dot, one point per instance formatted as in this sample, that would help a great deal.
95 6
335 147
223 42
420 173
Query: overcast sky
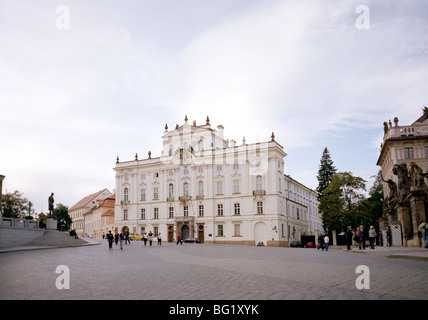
85 81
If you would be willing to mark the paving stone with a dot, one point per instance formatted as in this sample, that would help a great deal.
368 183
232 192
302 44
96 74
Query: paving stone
207 272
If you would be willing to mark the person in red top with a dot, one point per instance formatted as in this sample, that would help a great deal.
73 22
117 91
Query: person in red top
179 239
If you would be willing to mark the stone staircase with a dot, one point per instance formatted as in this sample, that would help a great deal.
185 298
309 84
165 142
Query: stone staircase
54 238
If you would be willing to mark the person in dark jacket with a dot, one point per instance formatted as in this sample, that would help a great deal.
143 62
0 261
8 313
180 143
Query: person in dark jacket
349 236
388 237
320 242
110 239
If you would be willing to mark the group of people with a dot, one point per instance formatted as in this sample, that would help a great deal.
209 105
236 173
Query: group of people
361 234
123 237
323 242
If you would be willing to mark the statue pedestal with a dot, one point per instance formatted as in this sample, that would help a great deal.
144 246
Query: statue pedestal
51 224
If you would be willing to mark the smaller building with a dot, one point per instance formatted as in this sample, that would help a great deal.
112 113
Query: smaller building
100 219
77 211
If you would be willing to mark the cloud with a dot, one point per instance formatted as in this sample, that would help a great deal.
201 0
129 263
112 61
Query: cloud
302 69
71 101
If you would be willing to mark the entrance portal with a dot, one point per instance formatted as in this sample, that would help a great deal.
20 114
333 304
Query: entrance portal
260 234
184 232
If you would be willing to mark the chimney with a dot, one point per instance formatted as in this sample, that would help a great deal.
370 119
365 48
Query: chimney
220 131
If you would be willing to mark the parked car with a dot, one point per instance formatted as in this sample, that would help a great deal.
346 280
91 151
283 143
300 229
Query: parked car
310 245
297 244
135 236
192 240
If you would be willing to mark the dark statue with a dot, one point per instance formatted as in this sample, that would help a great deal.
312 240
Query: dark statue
400 170
51 206
417 176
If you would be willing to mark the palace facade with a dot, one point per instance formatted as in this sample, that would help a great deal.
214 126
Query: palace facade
404 162
206 187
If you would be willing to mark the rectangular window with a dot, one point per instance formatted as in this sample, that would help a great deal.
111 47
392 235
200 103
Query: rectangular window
426 152
236 186
219 187
156 231
143 213
186 211
201 210
156 213
125 214
408 153
171 212
143 195
155 193
220 230
237 208
259 207
220 209
237 229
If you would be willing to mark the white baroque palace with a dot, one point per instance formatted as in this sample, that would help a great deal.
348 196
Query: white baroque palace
206 187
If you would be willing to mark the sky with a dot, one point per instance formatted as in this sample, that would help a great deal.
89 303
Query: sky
85 81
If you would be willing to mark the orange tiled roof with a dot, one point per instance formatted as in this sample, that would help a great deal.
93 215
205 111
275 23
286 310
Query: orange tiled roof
86 200
108 213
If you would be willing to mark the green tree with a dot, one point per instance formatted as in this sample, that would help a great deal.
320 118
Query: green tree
341 201
325 172
14 205
61 212
372 206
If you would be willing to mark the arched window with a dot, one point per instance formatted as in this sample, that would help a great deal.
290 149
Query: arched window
259 184
125 194
201 188
171 190
185 189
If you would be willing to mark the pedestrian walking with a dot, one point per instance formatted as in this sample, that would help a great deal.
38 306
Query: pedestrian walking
159 239
326 242
116 238
364 236
150 238
349 236
372 237
121 240
380 238
179 239
110 239
145 238
127 238
423 227
388 237
359 238
320 242
104 235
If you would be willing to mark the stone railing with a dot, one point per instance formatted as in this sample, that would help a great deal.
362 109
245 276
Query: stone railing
7 222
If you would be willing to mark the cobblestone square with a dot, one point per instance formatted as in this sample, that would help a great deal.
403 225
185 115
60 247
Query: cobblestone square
208 272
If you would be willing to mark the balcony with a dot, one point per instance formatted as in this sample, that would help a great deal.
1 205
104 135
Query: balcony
170 199
184 219
185 198
200 197
259 192
124 202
